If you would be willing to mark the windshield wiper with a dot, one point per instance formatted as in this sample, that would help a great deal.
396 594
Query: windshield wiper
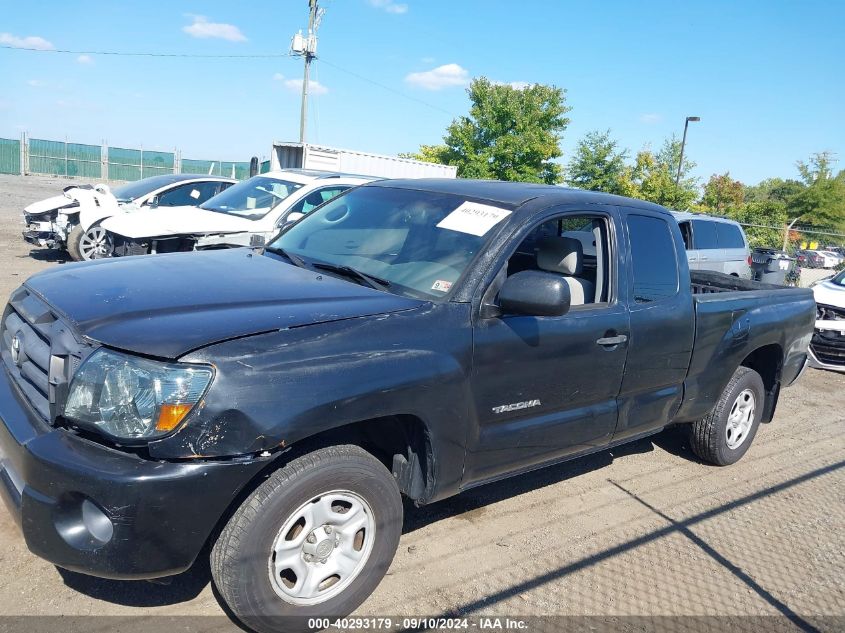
296 260
373 282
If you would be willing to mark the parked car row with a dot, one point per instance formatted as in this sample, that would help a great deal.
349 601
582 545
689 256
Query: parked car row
819 258
73 220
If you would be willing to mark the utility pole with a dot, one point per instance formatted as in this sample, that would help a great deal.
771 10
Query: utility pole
683 143
307 47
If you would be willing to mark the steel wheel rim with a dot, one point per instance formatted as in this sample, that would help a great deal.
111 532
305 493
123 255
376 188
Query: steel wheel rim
322 547
740 419
94 243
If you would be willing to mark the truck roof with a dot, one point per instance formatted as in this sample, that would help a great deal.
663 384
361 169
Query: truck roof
514 194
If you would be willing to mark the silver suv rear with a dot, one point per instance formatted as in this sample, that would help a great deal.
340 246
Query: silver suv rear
715 244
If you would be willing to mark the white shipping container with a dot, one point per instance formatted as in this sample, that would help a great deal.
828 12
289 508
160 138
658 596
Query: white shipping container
308 156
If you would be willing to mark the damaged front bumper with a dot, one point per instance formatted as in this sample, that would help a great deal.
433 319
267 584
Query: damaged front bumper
101 511
827 347
48 232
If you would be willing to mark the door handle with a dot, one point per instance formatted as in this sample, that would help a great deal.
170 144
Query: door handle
610 341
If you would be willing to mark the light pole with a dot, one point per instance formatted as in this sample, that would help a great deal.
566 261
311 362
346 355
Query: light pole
684 142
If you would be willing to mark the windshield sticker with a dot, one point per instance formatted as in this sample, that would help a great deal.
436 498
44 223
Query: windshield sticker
195 194
473 218
442 286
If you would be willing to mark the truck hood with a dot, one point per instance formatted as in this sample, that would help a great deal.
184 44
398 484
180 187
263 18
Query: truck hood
830 294
168 305
175 221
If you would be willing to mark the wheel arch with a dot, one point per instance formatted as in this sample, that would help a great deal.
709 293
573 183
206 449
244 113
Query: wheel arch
767 361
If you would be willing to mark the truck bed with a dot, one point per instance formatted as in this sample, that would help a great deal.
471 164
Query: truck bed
737 317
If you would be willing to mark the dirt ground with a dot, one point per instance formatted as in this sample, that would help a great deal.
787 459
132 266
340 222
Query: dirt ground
643 530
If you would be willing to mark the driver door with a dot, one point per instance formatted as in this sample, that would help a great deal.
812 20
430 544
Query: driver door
546 387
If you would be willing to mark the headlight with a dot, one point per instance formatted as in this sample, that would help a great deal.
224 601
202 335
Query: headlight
128 397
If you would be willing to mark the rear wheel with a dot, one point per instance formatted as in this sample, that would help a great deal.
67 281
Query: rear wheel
95 243
724 436
314 540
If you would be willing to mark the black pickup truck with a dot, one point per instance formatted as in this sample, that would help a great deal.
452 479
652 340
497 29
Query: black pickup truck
411 338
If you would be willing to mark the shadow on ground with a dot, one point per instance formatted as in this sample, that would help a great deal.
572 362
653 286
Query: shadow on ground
52 255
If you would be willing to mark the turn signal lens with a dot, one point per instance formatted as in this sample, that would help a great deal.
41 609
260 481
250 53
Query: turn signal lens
171 415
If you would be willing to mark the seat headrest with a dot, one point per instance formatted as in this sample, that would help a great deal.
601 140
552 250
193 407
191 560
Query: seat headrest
315 198
560 255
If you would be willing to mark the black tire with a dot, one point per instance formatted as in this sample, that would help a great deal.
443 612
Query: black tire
73 239
240 557
709 436
74 243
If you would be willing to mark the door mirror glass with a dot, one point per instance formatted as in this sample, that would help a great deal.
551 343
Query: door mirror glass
153 203
535 293
293 217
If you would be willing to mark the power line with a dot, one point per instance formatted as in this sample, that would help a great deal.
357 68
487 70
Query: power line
383 87
147 54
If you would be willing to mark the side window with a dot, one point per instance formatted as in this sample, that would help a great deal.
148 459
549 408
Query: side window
655 264
704 234
572 246
730 235
316 198
188 195
686 233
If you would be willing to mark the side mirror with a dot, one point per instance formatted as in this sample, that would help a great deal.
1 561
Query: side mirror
293 217
153 203
535 293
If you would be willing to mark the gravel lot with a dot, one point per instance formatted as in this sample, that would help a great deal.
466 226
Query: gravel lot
643 530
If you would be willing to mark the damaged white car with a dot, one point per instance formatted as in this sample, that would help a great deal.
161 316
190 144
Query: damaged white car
248 213
827 349
72 220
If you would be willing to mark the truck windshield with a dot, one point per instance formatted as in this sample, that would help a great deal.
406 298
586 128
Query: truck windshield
251 199
419 242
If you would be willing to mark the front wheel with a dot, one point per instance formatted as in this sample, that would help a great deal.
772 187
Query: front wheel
725 434
95 243
313 540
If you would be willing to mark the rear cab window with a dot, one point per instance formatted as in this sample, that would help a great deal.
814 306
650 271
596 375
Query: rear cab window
654 263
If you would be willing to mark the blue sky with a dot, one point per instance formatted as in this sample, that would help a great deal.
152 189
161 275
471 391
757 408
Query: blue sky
766 78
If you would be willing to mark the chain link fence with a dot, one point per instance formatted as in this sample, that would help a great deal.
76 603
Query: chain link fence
62 158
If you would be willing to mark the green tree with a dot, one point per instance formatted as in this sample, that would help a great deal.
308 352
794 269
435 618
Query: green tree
775 190
764 222
722 193
598 164
510 134
822 201
429 154
652 177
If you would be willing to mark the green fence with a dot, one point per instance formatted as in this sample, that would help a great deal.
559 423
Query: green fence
134 164
64 159
216 168
10 156
61 158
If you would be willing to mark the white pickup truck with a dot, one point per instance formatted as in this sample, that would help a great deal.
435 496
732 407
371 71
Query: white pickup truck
249 212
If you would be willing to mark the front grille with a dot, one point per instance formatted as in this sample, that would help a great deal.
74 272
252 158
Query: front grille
829 346
829 313
39 351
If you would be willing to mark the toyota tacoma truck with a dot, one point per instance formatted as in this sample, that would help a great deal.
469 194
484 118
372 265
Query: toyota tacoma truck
270 407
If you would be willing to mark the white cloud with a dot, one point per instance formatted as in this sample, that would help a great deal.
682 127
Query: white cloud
30 41
440 77
36 83
204 29
85 59
516 85
650 118
314 87
278 77
390 6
